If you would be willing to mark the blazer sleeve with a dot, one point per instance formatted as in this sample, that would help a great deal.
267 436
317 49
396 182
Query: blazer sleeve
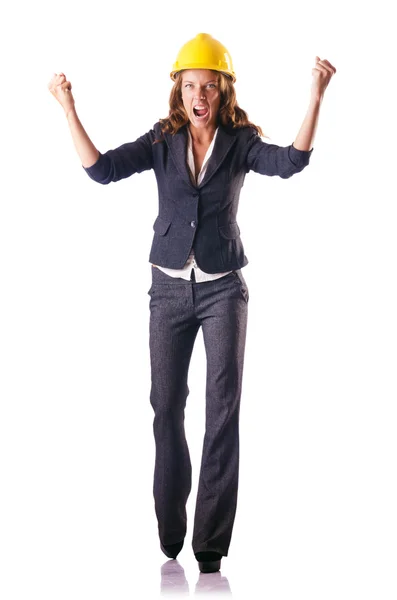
121 162
270 159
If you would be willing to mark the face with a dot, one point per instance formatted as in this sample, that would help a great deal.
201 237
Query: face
201 97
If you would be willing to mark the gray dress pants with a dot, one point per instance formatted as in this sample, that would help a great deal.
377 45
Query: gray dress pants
178 308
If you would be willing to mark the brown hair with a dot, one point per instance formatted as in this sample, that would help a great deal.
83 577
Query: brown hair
230 114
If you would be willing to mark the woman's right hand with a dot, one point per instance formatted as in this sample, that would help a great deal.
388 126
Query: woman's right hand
60 88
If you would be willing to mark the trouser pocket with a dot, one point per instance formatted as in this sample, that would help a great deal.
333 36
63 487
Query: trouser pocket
240 281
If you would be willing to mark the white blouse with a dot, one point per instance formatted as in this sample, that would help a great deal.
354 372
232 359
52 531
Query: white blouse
191 262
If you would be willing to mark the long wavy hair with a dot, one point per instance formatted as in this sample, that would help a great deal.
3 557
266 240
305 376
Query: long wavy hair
229 114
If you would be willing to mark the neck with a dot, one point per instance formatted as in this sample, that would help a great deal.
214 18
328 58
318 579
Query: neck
202 135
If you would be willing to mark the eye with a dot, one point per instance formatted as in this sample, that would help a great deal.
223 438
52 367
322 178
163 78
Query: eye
211 84
187 84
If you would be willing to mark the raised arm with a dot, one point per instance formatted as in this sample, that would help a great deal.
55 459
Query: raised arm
322 73
270 159
113 165
61 89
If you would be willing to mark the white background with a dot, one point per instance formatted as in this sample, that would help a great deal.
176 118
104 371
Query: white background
316 515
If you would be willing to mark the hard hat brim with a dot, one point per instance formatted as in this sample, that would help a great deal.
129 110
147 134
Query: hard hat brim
200 66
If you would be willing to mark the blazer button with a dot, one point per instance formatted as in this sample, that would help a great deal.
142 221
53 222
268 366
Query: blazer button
193 223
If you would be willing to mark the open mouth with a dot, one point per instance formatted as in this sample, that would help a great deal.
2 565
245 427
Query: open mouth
200 113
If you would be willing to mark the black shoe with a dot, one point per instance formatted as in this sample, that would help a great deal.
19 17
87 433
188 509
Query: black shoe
209 562
172 550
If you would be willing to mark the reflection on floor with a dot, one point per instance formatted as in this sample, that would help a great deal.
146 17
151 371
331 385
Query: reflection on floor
212 582
173 581
173 578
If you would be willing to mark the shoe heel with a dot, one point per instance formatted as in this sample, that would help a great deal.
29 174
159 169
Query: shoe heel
209 566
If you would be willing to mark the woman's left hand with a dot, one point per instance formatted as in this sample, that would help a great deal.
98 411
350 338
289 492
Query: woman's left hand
322 74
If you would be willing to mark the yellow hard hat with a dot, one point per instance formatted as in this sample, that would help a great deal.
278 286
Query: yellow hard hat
203 52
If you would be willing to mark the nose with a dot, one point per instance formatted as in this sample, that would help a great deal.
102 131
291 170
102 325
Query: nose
201 94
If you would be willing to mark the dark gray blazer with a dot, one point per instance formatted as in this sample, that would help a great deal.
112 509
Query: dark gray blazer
200 216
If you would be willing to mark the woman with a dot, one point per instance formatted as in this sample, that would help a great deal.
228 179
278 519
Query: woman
200 155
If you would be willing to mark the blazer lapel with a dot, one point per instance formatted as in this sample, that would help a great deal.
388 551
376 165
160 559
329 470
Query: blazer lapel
177 145
223 143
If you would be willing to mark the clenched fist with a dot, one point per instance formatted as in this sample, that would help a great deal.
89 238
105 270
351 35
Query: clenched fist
322 73
61 89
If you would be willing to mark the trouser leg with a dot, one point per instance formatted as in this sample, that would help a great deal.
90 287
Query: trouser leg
223 312
171 339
